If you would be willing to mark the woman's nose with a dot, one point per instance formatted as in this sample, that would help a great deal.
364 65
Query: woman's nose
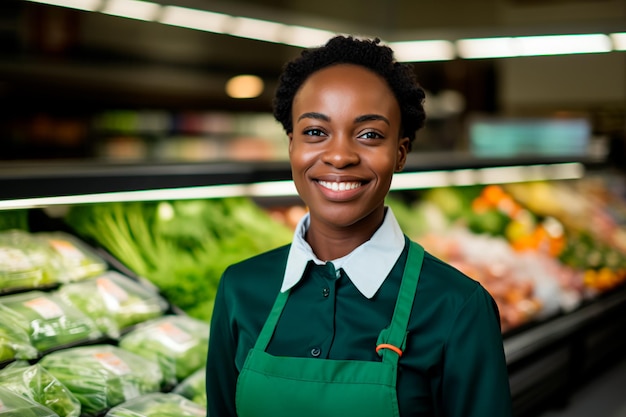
341 152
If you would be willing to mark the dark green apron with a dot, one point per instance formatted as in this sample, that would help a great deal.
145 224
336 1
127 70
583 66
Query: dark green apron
272 386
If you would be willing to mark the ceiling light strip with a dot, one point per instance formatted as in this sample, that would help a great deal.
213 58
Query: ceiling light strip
406 51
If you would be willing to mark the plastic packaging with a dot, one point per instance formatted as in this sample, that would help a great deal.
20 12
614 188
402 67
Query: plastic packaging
26 262
14 336
158 405
78 260
114 301
179 344
14 405
103 376
194 387
36 383
53 323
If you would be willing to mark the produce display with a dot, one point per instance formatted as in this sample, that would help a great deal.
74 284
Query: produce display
178 343
158 405
36 383
114 301
194 387
181 246
15 405
103 376
52 322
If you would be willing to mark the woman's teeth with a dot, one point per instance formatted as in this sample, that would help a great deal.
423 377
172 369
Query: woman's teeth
340 186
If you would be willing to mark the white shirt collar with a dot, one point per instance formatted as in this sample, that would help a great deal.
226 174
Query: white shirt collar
384 248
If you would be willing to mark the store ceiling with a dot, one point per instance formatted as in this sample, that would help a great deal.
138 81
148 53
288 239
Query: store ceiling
50 53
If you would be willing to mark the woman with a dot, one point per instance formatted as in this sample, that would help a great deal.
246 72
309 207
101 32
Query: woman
352 318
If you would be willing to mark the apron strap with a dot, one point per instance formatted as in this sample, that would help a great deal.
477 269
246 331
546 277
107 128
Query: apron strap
392 340
395 334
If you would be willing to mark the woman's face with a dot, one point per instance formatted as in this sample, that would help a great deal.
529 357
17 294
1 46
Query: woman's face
345 145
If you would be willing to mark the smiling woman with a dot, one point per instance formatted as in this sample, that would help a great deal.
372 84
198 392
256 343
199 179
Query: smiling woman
335 323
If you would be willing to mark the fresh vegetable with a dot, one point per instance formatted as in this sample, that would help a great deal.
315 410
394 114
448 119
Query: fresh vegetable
52 322
36 383
178 343
14 336
26 262
194 387
181 246
102 376
158 405
77 259
15 405
114 301
14 219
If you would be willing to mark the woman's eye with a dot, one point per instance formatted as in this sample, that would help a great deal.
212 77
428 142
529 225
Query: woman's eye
371 135
313 132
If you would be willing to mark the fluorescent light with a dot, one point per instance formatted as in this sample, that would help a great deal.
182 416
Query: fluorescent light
195 19
485 48
420 51
305 37
619 41
88 5
132 9
263 30
562 44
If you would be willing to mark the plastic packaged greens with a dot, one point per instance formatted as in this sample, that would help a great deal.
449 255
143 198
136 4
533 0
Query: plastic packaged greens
158 405
78 260
194 387
36 383
114 301
26 262
15 405
14 336
53 323
102 376
179 344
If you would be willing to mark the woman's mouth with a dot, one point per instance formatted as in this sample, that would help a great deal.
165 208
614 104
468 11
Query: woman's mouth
340 186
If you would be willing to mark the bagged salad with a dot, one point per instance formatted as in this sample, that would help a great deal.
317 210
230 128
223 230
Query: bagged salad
158 404
77 260
15 405
14 336
102 376
52 322
36 383
27 262
178 343
114 301
194 387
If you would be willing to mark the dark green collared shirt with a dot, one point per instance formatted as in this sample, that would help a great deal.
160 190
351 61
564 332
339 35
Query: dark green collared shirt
453 364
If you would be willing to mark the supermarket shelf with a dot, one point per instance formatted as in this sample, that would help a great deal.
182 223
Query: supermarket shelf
32 184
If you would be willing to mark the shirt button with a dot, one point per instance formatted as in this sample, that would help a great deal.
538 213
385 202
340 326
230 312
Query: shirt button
326 292
315 352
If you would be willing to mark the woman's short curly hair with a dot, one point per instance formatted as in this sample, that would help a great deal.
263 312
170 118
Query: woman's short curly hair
368 53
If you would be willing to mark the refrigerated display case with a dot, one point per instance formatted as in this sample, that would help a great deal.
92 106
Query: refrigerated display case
547 355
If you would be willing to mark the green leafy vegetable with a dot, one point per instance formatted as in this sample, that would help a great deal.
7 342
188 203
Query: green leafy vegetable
158 405
114 301
14 336
178 343
181 246
102 376
15 405
36 383
194 387
26 262
52 322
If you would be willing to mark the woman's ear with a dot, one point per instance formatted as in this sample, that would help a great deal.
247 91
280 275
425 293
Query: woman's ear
290 136
403 150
